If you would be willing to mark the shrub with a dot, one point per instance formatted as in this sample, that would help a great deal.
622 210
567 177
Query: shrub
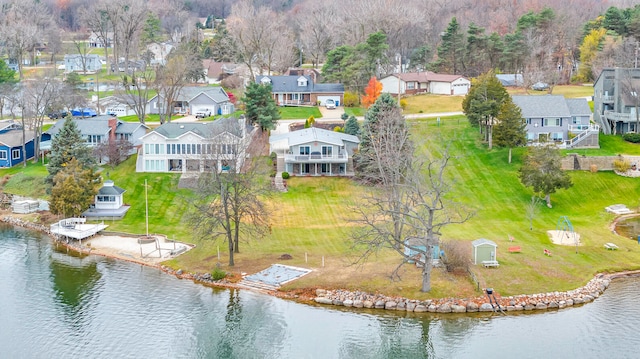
338 129
593 168
631 137
273 173
403 103
351 99
621 165
457 255
285 175
273 156
344 116
218 274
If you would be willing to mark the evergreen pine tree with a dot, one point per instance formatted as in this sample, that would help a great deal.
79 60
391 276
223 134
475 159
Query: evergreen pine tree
384 124
260 107
73 190
510 130
68 144
351 127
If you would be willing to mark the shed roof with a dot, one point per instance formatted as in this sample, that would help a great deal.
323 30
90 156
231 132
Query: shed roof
579 107
108 188
481 241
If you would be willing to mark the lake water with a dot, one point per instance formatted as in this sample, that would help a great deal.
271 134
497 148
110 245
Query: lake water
53 305
629 228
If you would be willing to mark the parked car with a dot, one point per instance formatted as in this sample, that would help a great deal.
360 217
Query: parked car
330 104
57 115
203 113
540 86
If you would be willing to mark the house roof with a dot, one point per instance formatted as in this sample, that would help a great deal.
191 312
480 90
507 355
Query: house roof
188 93
426 76
579 107
542 106
174 130
314 134
290 84
13 138
510 79
481 241
216 69
98 125
108 188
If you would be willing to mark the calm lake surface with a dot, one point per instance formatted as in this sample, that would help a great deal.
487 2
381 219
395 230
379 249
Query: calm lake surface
53 305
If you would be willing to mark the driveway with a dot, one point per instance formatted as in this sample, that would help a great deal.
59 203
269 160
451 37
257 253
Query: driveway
331 114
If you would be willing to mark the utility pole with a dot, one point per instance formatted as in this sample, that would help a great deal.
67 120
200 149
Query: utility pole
399 57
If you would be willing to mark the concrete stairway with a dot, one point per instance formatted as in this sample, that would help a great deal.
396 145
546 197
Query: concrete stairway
279 183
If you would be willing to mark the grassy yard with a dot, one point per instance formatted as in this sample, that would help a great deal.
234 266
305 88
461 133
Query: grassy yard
311 222
568 91
298 112
429 103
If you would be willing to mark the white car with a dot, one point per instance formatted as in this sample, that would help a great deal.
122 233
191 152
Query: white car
330 104
203 113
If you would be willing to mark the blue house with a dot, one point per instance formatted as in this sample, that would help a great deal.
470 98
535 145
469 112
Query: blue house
11 151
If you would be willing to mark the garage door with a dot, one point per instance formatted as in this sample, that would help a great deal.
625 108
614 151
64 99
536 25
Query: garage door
460 89
322 99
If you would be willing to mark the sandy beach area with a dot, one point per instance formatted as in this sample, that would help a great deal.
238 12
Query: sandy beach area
564 238
128 248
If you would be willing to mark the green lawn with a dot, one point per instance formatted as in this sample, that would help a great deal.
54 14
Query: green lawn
355 111
568 91
428 103
311 221
298 112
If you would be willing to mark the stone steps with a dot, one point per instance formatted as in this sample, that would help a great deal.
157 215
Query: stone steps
279 182
256 285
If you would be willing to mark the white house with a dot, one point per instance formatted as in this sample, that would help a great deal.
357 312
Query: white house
73 63
160 52
192 99
108 203
195 146
411 83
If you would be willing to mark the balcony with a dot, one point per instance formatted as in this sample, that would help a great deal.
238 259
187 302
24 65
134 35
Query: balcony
607 99
316 158
618 116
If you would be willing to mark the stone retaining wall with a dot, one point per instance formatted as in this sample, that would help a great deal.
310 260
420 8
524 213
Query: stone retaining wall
541 301
578 162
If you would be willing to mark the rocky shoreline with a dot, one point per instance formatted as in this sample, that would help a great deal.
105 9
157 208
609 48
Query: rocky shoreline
526 302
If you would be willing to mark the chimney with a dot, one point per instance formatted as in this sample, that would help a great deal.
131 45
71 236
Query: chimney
113 124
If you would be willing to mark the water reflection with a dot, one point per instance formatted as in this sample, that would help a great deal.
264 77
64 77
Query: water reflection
629 228
54 305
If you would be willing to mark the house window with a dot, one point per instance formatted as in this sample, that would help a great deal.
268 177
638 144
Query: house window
553 122
94 139
15 154
3 155
106 198
575 121
325 168
327 151
530 136
305 150
528 121
557 136
411 85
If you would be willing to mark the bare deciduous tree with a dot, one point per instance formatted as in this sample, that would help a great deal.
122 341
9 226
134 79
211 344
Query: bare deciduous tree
229 201
22 25
113 151
38 97
409 207
135 92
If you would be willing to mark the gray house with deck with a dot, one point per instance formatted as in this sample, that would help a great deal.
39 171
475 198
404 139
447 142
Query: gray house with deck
616 99
314 151
556 119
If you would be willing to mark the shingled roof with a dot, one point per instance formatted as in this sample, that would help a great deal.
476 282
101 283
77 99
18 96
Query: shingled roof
292 85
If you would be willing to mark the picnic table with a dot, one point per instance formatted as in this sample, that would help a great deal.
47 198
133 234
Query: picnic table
488 264
610 246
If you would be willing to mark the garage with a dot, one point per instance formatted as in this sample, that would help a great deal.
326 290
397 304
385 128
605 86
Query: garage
335 98
202 108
